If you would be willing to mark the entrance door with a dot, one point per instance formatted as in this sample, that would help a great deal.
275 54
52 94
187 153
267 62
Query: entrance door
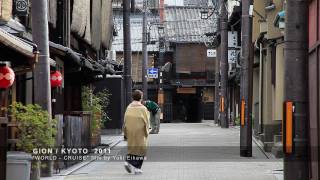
187 105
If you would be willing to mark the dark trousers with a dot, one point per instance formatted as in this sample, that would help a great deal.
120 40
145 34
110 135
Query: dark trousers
135 161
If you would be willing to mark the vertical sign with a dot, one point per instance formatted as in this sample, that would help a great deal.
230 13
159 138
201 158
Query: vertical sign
232 39
211 53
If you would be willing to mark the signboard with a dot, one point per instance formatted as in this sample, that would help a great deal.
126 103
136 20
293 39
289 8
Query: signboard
233 56
162 50
211 53
153 73
186 90
232 39
21 7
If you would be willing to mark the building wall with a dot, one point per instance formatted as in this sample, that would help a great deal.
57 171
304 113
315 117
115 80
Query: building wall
192 58
255 100
270 16
279 84
314 84
137 65
259 7
269 124
267 89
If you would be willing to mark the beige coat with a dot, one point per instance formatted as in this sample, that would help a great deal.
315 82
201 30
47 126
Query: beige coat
136 128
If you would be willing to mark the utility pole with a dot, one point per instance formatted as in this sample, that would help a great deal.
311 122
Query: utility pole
127 51
217 89
42 89
144 52
162 49
66 39
3 132
246 75
224 64
217 83
296 164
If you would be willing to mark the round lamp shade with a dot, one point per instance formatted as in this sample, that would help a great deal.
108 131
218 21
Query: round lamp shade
56 79
6 77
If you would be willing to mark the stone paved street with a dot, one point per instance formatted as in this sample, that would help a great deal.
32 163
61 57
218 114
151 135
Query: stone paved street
188 151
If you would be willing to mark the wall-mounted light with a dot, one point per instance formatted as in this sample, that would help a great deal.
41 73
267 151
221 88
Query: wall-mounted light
204 14
161 31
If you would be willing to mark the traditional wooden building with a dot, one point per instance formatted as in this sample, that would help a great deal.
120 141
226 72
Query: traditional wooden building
18 52
136 20
81 33
191 81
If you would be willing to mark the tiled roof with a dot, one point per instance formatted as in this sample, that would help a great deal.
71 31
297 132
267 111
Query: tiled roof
195 2
136 33
184 24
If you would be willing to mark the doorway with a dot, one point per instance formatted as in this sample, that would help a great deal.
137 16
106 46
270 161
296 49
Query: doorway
187 107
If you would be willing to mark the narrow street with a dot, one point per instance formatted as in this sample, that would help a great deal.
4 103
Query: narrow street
234 83
188 151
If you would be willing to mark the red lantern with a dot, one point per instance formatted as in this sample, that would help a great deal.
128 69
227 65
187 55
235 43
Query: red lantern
6 77
56 79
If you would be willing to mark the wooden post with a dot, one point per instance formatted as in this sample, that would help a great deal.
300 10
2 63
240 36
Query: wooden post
3 133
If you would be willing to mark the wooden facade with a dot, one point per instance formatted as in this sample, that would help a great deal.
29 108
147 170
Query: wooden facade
314 84
192 58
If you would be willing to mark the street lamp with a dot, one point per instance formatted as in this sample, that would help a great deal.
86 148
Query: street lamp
161 31
204 14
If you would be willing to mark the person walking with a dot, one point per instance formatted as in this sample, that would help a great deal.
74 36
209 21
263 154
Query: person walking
155 113
136 131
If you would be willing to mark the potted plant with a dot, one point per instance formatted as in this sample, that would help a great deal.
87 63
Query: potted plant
96 103
36 130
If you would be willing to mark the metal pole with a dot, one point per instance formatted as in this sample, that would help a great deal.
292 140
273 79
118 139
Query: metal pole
144 52
224 64
296 165
246 120
42 89
127 51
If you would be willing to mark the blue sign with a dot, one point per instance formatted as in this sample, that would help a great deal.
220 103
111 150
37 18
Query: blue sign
153 73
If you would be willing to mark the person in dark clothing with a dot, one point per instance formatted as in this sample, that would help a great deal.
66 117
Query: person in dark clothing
155 113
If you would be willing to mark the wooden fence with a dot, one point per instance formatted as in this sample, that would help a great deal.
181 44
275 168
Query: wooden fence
73 131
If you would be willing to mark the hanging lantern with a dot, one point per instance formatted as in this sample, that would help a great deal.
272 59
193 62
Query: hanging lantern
56 79
6 77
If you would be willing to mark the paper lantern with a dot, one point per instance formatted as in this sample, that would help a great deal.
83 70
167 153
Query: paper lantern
6 77
56 79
